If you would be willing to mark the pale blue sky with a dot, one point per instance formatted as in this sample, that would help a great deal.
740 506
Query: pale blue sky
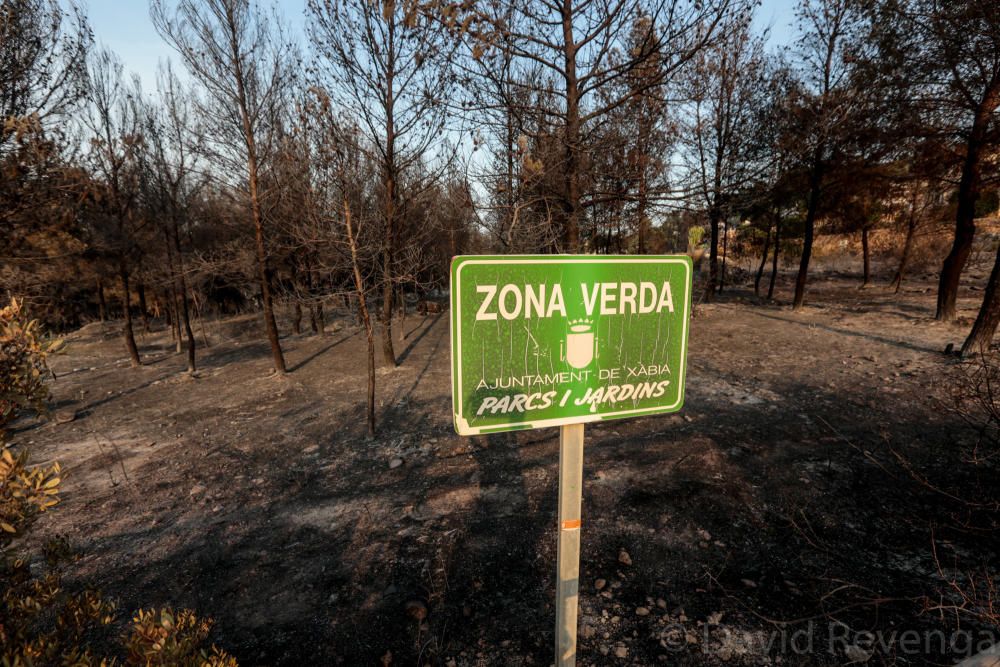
124 26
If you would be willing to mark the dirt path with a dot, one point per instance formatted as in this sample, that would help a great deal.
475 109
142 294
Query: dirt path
258 501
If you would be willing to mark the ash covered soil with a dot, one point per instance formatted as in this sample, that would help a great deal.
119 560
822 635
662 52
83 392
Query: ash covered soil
775 503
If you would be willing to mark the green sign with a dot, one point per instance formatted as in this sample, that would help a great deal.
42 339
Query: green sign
546 340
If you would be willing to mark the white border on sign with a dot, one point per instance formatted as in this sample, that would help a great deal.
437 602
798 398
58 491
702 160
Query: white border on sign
461 423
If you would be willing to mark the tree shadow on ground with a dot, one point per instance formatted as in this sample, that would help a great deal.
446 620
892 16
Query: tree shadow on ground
321 351
901 344
414 341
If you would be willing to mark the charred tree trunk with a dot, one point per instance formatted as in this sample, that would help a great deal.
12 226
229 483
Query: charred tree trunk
815 183
897 280
168 317
173 317
178 295
981 336
185 321
143 310
180 289
263 264
315 307
388 352
175 304
402 313
365 318
316 317
725 253
264 276
297 286
102 302
130 346
571 180
763 262
777 252
201 322
391 197
965 218
713 254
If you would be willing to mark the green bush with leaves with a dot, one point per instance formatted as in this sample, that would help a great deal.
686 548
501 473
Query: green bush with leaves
695 236
24 370
165 637
42 623
25 492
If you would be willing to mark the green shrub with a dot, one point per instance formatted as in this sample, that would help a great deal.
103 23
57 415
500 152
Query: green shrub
24 370
167 638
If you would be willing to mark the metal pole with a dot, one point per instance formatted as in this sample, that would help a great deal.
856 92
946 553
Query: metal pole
568 555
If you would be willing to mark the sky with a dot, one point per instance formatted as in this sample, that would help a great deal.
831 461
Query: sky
124 27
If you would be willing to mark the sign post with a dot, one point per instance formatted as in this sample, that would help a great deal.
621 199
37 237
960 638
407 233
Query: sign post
562 340
568 551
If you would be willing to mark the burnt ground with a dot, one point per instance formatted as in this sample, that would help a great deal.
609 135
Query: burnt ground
768 523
